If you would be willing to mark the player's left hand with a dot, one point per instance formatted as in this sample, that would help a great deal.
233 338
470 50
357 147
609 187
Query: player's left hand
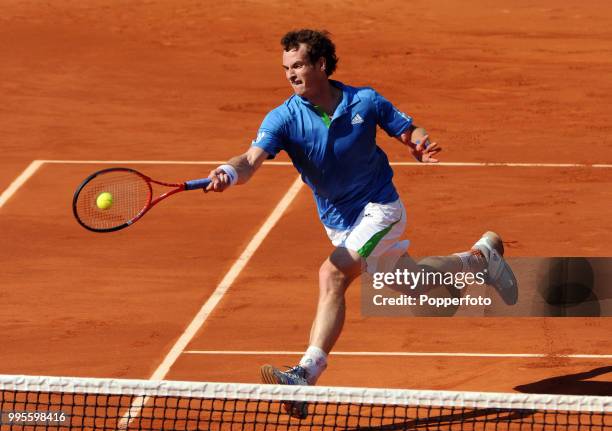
425 151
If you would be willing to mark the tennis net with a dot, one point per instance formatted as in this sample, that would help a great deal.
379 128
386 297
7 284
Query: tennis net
58 403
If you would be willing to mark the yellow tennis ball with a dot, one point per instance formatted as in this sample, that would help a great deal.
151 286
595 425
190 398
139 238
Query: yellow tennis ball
104 200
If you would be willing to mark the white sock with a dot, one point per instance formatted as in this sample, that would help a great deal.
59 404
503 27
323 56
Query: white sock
472 261
314 363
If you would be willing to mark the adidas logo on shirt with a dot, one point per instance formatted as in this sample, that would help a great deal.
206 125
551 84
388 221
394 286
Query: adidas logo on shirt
357 119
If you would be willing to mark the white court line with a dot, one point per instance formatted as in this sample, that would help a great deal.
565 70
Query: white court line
409 354
272 163
505 164
146 162
19 181
30 170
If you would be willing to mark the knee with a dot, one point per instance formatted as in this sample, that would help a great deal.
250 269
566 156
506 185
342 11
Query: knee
332 281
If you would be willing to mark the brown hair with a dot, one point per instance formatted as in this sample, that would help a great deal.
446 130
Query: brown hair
319 45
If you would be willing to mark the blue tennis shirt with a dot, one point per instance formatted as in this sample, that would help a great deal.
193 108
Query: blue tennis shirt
341 164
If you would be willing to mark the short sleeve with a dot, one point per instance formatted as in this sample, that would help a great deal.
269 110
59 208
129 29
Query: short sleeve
389 118
271 133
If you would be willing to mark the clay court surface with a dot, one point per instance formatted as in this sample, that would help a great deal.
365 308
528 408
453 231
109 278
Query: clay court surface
162 81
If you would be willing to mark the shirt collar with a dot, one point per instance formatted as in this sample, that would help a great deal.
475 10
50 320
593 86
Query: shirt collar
349 97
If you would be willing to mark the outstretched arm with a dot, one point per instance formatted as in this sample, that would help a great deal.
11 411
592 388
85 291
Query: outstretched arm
244 167
417 140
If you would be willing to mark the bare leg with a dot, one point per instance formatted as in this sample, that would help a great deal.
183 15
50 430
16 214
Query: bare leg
335 275
442 263
471 261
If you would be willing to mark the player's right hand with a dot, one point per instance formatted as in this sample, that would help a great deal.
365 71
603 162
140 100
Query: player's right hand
220 181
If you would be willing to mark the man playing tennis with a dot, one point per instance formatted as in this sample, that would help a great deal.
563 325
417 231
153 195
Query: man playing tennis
329 130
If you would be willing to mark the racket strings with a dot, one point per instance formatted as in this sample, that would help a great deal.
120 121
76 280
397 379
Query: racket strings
130 194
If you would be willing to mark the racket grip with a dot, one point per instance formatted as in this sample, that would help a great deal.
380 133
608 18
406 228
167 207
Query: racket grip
197 184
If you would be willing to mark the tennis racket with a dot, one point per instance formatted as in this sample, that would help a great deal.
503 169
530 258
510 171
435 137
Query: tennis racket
115 198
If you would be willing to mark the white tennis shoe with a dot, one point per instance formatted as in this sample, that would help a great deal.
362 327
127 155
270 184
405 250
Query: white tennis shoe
499 273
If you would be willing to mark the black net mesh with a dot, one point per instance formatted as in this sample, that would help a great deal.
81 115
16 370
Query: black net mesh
138 405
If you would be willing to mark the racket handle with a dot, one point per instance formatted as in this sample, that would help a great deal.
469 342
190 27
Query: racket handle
197 184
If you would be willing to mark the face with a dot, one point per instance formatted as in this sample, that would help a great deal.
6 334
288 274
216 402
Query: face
304 77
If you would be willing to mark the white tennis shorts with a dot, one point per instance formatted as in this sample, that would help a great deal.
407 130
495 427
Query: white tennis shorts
375 234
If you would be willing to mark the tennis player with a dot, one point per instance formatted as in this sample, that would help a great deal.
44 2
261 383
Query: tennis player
329 131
